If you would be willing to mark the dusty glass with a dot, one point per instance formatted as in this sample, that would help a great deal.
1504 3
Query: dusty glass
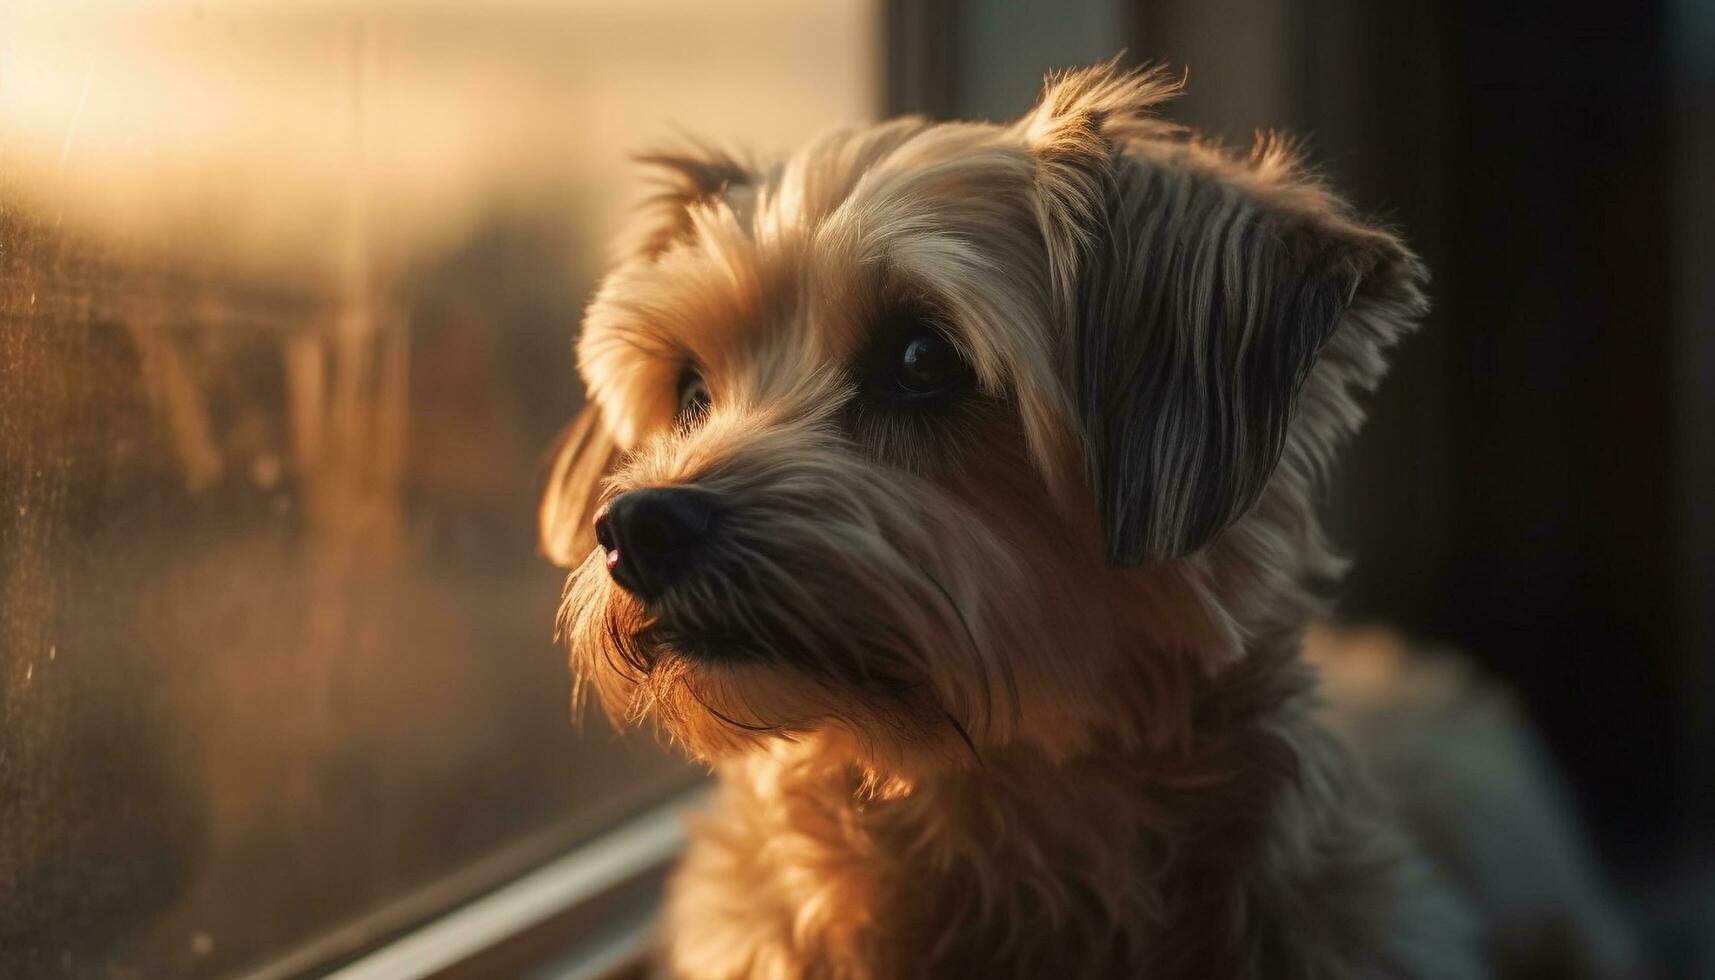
286 299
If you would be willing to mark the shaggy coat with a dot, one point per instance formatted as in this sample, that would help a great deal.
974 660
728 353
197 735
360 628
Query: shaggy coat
1005 683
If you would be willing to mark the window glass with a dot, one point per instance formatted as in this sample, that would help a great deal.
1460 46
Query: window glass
287 293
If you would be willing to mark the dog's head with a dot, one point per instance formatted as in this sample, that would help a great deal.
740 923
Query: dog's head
935 437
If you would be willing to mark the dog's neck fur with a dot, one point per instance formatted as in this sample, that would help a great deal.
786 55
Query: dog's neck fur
1249 849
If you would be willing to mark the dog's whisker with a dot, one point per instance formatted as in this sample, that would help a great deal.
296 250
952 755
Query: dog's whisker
965 737
724 718
976 654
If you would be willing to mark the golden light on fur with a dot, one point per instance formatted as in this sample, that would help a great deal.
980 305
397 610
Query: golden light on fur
1000 675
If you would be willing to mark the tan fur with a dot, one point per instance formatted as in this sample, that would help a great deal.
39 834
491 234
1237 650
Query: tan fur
974 746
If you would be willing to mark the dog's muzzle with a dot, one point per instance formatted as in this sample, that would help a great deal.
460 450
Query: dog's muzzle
652 536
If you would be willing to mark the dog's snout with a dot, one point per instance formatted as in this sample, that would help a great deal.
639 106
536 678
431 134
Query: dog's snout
652 535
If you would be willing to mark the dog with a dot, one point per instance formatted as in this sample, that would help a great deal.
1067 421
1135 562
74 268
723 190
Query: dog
949 489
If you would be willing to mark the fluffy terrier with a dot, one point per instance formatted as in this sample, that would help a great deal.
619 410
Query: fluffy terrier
952 494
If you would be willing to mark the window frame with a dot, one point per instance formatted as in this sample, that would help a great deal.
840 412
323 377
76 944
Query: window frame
582 911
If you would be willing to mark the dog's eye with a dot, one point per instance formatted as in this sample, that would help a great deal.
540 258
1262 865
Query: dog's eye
693 398
927 363
924 364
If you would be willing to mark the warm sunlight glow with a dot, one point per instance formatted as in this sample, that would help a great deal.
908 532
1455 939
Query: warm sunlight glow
252 130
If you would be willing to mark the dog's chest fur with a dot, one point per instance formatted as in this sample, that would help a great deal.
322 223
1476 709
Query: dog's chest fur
1253 852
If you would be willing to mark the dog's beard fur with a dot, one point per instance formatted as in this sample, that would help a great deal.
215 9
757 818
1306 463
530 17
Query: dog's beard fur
916 618
1086 576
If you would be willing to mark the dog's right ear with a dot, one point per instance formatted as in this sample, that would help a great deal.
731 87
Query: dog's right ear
583 454
683 179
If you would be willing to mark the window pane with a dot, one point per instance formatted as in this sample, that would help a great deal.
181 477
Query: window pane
286 300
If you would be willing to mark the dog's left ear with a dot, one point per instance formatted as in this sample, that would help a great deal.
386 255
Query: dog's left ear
1222 311
581 456
682 179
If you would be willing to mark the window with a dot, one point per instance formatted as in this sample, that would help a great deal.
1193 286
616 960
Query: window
287 293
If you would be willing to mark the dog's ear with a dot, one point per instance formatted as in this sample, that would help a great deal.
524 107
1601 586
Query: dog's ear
1221 311
582 455
698 175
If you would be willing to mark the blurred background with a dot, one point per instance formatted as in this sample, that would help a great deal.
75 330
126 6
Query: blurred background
287 292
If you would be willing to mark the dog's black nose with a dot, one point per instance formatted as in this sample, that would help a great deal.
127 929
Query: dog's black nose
651 535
